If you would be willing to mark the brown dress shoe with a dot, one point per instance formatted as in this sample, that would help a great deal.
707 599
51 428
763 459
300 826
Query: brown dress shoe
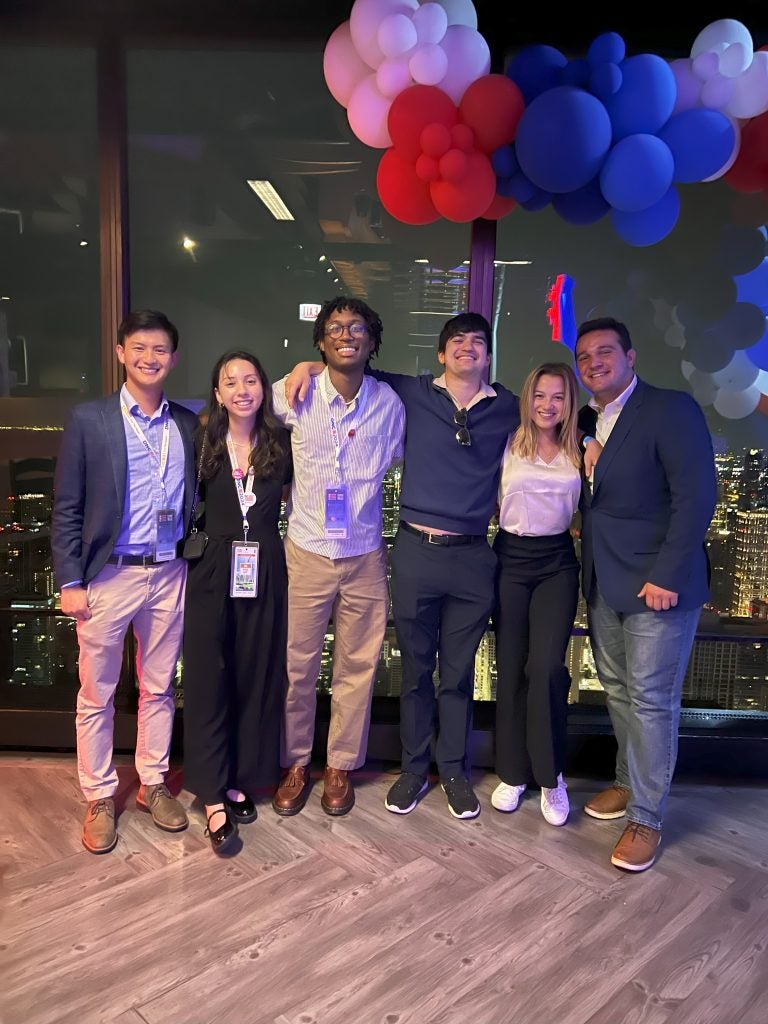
611 803
338 794
99 832
167 813
636 850
291 795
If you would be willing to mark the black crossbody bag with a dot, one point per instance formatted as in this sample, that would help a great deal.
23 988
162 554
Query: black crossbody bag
195 544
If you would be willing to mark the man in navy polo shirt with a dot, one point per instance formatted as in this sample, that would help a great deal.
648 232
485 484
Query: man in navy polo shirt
442 566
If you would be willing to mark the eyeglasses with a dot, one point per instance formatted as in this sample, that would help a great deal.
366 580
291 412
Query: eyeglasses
462 434
356 330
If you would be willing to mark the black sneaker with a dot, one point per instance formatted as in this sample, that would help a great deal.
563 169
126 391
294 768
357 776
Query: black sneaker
462 801
404 794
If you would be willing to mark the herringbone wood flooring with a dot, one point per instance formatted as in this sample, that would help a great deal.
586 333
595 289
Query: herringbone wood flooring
378 919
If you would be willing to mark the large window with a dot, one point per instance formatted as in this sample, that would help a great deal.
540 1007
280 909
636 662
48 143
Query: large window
49 343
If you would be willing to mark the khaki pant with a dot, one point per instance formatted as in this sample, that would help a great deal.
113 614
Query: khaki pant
354 592
151 599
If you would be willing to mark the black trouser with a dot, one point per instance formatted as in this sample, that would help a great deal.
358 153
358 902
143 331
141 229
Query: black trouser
536 597
442 599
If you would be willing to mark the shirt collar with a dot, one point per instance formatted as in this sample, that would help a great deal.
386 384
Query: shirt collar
618 403
484 391
133 406
330 392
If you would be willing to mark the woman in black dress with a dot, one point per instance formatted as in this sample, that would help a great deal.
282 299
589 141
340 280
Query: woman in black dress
234 647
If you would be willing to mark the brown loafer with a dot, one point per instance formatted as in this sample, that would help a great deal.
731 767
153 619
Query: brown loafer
291 795
610 803
637 848
167 813
338 793
99 832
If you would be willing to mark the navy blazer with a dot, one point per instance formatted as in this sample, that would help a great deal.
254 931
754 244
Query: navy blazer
89 488
652 501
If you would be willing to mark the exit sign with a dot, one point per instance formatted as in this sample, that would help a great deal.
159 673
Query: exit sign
309 310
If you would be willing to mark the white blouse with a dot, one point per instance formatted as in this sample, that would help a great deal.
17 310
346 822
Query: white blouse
537 499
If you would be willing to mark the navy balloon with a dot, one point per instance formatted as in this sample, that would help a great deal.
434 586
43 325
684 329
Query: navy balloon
605 81
607 48
536 69
576 73
562 139
648 226
701 141
708 351
741 250
742 326
537 201
637 173
646 98
753 287
504 161
583 206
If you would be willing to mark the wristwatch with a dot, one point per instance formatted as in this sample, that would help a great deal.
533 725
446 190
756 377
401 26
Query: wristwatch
585 441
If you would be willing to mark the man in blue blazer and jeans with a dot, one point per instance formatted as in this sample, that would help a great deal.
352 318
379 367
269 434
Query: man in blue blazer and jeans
646 510
122 499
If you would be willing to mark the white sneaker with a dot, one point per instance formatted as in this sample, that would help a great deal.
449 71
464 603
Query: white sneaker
554 803
506 798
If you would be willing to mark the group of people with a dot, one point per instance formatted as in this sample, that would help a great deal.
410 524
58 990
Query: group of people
148 497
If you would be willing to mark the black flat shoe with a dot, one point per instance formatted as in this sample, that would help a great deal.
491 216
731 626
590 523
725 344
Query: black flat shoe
243 811
221 838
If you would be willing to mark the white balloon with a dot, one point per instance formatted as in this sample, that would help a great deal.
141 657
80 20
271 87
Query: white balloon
716 92
735 60
460 12
761 382
661 310
674 336
675 318
750 90
719 33
430 21
703 387
396 35
735 405
705 65
429 64
367 114
740 373
687 368
468 59
364 20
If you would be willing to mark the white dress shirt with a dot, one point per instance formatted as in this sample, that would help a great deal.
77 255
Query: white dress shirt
606 418
537 498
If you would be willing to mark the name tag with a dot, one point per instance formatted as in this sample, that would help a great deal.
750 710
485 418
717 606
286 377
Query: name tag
165 545
336 512
244 575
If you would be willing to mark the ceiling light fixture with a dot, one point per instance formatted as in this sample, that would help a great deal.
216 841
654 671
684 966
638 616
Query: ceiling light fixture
267 193
512 263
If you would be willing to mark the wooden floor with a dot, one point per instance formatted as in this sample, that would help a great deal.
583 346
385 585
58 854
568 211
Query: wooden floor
378 919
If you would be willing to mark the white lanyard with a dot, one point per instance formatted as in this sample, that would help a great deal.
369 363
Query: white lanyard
245 494
338 442
161 460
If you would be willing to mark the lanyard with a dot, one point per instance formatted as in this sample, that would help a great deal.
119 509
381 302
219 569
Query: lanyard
338 441
160 460
245 495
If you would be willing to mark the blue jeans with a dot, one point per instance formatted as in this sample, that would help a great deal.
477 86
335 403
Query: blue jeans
641 658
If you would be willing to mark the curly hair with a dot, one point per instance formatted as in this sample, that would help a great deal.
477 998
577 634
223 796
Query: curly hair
357 306
270 440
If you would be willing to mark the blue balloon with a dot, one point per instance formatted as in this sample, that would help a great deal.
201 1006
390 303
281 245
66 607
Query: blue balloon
607 48
637 173
536 69
583 206
562 139
759 353
708 351
649 226
741 250
701 141
506 187
504 162
742 326
646 98
753 287
537 202
576 73
605 81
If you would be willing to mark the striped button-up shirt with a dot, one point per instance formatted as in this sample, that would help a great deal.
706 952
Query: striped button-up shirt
369 431
144 491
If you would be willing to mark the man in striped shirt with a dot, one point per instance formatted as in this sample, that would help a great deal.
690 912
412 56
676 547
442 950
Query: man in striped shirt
344 436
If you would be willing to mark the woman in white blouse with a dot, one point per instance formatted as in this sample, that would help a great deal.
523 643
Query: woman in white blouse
537 591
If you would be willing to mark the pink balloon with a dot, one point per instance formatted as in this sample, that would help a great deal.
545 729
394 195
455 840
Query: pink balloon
392 77
429 64
342 67
688 85
716 92
396 35
364 20
430 21
367 114
468 59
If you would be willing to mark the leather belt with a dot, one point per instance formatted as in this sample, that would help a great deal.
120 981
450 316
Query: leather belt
142 560
443 540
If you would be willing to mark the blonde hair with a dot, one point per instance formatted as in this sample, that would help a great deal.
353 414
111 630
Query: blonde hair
525 438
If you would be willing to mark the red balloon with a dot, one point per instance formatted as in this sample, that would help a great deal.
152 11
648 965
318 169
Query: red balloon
453 166
402 193
462 137
469 198
412 110
750 171
435 140
492 107
500 207
427 168
762 405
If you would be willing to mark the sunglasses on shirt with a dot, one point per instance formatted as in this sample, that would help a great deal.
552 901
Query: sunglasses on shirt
462 434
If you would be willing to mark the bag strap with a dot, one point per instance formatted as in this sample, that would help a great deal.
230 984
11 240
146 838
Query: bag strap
193 525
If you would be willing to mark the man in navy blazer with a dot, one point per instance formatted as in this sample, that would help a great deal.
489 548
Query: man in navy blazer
122 500
645 512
